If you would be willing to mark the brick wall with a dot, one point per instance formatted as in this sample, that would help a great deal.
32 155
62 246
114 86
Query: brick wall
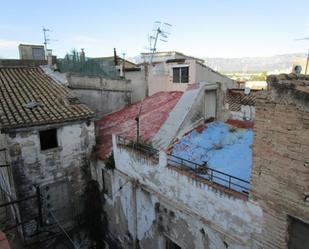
280 176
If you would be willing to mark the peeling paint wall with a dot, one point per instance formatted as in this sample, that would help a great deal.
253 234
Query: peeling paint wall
246 112
32 167
151 202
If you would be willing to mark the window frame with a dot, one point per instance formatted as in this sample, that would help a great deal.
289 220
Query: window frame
43 136
181 76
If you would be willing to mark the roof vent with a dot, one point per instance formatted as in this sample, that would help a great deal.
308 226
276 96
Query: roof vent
32 105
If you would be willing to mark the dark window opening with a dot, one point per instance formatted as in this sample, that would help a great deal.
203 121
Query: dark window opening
48 139
180 74
298 234
169 244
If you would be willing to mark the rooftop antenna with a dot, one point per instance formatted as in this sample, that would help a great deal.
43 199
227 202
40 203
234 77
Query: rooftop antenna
160 31
47 39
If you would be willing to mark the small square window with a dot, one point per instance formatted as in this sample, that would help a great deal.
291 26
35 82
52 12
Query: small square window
181 75
48 139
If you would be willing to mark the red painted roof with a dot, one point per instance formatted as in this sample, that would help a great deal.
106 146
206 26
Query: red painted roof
155 110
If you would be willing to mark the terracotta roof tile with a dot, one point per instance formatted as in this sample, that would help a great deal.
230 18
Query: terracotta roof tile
22 87
155 110
237 98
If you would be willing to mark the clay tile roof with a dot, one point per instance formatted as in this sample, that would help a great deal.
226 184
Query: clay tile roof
154 112
236 98
29 97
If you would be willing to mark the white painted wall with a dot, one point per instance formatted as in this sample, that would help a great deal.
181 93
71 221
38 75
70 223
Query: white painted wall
247 112
197 73
196 205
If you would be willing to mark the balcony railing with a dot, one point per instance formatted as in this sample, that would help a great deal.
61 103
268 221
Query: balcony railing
227 181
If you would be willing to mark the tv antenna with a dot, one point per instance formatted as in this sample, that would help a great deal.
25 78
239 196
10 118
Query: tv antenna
47 39
160 31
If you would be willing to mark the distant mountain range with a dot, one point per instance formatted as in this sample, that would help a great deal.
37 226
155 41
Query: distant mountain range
255 64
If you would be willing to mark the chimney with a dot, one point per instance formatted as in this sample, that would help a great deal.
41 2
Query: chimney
49 58
115 57
82 55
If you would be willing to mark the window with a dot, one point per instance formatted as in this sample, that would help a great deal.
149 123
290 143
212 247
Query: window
180 74
298 234
48 139
170 244
38 53
106 183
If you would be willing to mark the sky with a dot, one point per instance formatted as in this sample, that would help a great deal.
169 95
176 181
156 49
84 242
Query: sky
201 28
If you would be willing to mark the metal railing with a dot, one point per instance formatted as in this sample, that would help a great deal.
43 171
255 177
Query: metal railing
215 176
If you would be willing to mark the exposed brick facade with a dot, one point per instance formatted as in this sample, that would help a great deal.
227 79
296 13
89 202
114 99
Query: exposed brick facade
280 176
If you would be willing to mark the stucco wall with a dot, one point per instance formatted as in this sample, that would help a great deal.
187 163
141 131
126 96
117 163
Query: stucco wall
171 204
138 84
57 166
204 73
161 76
101 94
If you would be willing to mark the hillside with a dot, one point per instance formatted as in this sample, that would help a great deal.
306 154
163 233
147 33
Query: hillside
254 64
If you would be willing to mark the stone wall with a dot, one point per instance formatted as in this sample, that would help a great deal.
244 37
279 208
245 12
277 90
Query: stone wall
57 171
280 173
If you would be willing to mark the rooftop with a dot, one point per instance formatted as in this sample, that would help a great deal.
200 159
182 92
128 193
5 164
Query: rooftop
236 98
154 111
298 83
29 97
219 146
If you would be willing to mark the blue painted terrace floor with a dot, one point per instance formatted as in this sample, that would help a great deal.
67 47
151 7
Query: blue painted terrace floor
223 147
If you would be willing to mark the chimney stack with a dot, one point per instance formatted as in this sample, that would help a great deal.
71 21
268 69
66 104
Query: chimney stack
115 57
82 55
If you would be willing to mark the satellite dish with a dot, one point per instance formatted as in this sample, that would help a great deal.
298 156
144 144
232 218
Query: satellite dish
297 69
247 90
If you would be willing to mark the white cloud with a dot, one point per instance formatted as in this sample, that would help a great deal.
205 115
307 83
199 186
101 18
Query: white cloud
9 44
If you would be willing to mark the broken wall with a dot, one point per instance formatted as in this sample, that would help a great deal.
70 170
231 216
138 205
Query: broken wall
151 202
280 172
57 171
